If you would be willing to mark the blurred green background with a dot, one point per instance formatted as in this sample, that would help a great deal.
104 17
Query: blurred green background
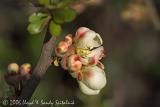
131 33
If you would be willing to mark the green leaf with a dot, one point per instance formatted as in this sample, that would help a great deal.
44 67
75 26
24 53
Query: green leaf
36 27
55 29
70 15
47 3
58 16
37 22
63 3
64 15
36 17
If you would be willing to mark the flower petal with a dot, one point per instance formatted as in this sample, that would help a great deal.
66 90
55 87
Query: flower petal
94 77
89 40
64 63
80 32
86 90
98 52
74 63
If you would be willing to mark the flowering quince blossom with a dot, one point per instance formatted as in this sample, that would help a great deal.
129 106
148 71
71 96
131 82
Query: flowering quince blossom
81 56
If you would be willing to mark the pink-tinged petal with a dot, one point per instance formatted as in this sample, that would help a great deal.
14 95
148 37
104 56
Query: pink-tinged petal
74 63
85 61
86 90
80 32
89 40
100 65
97 53
80 76
64 63
93 60
94 77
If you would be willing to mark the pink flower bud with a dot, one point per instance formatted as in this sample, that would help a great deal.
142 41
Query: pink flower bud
74 63
69 39
64 63
62 47
13 68
25 69
94 77
86 90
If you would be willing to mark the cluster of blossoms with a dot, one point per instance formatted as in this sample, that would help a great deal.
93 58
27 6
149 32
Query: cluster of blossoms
18 74
81 55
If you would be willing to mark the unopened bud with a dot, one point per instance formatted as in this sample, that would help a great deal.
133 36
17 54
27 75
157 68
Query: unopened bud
62 47
69 39
74 63
25 69
13 68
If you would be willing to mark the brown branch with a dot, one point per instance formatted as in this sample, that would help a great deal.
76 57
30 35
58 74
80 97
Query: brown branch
153 14
39 71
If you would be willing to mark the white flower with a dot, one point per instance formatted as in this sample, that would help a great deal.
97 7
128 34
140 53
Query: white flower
81 56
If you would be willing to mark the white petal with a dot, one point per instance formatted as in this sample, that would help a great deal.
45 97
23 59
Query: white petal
90 40
94 77
87 90
96 52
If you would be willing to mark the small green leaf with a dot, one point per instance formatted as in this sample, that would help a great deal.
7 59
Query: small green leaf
37 27
58 16
37 22
55 29
70 15
64 15
47 3
36 17
63 3
34 28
